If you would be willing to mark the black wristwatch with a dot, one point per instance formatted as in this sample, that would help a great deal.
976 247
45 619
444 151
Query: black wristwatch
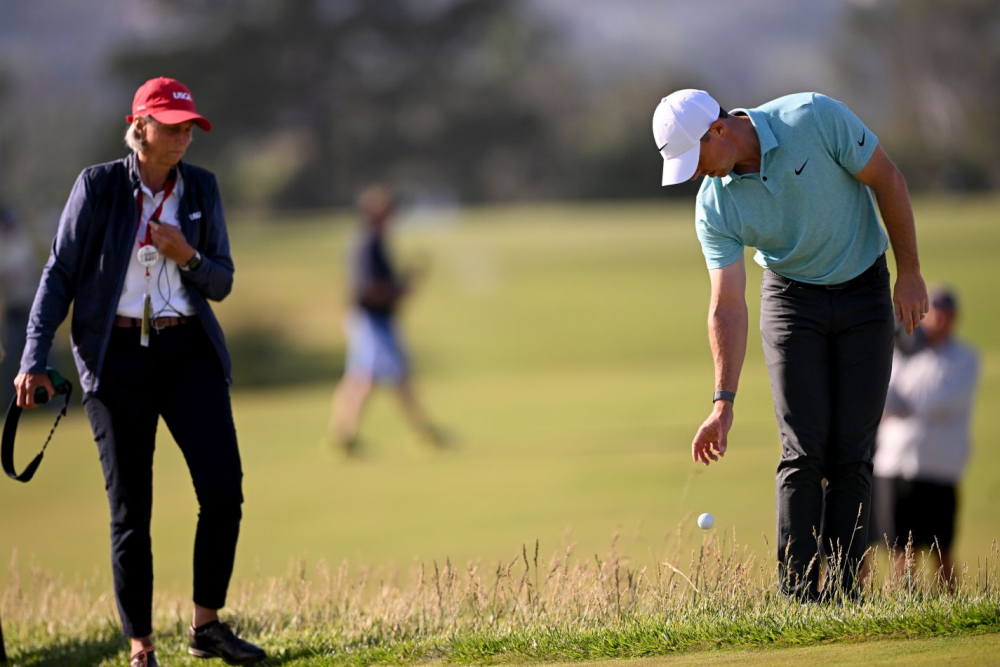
724 396
193 264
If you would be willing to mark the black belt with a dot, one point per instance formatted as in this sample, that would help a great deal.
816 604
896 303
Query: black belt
158 323
62 386
868 275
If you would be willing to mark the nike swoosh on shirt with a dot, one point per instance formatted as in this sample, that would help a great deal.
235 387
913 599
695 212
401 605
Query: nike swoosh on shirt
799 170
862 142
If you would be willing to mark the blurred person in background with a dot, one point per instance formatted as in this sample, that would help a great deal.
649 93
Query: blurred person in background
924 440
795 179
19 268
141 247
375 351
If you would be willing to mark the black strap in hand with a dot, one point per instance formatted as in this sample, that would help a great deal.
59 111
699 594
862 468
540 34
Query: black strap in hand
62 386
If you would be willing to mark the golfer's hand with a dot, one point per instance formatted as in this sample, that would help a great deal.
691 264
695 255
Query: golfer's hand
25 385
909 298
171 242
711 441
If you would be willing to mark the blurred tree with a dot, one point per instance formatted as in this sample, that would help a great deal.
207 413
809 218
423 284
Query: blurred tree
933 67
311 99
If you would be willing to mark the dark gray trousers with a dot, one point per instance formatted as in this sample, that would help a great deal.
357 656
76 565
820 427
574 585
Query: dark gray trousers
829 356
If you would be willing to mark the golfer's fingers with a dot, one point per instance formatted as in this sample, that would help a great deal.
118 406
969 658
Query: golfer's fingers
898 307
697 444
910 319
698 451
704 453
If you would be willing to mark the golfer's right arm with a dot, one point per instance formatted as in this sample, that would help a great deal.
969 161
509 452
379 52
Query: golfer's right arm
727 334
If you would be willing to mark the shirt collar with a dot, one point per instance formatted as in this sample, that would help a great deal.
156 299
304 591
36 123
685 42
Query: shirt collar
768 142
178 187
132 165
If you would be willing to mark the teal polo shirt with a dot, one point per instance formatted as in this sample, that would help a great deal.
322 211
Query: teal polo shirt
806 215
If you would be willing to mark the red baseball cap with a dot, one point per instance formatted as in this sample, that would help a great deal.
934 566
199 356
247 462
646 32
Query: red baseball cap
168 101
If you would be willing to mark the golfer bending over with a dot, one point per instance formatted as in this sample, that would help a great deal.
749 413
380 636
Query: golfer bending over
794 179
141 247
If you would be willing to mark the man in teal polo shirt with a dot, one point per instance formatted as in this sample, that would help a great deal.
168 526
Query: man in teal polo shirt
797 179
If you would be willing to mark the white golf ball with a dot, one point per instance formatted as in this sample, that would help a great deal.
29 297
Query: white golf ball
705 521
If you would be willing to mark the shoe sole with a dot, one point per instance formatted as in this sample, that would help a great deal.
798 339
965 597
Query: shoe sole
198 653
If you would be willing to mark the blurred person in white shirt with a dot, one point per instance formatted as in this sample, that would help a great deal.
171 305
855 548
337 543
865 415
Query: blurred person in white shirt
924 440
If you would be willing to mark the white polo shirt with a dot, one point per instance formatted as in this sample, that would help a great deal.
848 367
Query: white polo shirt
924 434
166 289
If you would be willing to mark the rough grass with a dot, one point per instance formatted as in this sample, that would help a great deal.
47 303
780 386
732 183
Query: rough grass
532 608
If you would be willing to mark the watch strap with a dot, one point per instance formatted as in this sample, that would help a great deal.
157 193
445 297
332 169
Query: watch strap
194 263
724 396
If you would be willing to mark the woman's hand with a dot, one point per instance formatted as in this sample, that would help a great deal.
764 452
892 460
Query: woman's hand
27 383
170 241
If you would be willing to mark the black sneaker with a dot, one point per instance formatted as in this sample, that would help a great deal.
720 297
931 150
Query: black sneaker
216 640
144 659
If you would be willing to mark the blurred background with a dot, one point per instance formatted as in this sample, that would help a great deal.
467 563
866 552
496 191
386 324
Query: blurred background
560 334
455 100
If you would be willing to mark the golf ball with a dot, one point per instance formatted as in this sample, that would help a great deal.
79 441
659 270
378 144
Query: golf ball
705 521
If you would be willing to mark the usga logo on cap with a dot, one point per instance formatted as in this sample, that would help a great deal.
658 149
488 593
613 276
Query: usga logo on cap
679 122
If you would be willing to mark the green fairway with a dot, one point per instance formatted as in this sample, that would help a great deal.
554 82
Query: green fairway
966 651
563 347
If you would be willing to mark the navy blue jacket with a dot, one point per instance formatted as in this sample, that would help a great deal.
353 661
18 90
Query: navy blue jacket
91 253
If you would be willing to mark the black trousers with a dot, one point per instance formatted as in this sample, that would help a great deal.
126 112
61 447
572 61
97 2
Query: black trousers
829 357
180 378
920 509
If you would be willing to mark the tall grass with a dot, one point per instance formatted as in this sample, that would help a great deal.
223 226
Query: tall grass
534 607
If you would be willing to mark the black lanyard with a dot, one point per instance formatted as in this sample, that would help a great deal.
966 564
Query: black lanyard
62 386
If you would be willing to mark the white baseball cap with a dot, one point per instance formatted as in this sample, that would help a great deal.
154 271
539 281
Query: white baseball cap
679 122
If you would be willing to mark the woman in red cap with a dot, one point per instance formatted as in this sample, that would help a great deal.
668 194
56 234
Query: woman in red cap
141 248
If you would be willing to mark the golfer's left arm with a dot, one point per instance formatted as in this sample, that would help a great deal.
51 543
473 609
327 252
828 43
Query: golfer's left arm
887 183
727 334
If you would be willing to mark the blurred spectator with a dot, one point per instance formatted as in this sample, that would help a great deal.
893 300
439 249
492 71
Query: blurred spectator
923 440
375 352
19 270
